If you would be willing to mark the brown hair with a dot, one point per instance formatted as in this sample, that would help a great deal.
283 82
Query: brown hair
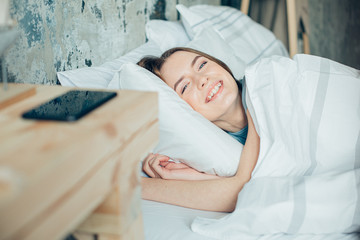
154 64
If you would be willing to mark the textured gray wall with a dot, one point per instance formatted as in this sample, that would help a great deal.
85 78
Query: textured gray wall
335 30
63 35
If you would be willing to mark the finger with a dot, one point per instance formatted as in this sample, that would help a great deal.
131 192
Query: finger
154 165
164 163
158 160
155 170
147 167
175 165
162 159
145 161
149 156
172 165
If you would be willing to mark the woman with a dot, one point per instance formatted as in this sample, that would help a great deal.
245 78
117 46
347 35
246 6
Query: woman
209 87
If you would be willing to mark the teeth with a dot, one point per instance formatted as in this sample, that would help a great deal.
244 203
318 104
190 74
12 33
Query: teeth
214 91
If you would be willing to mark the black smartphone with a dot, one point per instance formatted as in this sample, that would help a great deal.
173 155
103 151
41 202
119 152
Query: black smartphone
70 106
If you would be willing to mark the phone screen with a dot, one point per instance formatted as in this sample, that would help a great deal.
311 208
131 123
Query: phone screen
70 106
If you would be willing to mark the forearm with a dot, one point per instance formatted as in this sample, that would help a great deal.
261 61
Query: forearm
250 153
212 195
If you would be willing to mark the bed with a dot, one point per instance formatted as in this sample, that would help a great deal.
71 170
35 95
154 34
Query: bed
290 188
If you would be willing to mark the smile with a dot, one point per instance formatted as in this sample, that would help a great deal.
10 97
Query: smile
214 91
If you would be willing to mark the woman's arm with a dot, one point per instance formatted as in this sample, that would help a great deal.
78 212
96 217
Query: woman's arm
213 195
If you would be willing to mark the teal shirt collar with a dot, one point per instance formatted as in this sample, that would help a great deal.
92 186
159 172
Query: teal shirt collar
241 135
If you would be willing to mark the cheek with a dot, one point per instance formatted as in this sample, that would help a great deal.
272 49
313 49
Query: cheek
192 100
209 111
229 98
212 111
205 110
216 110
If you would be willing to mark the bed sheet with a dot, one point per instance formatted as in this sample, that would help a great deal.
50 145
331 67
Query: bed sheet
169 222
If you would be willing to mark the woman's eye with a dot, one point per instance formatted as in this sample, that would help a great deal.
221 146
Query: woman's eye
183 90
202 65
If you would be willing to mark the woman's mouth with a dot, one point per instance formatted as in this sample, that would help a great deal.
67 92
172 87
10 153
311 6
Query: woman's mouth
213 93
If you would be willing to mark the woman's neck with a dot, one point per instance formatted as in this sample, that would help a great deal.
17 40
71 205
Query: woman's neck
234 119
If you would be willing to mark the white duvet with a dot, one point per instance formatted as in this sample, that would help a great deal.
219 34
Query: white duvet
307 179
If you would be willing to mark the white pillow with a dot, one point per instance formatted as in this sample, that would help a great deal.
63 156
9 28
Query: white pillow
169 34
209 41
249 40
185 135
166 34
99 77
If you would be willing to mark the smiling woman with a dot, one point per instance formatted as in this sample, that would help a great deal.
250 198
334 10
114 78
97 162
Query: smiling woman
209 87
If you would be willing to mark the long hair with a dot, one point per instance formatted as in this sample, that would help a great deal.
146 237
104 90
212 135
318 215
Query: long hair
154 64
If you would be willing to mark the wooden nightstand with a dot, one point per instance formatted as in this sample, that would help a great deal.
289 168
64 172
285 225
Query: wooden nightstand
56 177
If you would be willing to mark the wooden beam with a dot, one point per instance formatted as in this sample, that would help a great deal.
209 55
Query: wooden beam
245 6
292 29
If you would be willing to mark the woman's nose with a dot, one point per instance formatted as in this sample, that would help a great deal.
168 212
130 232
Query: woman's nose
201 81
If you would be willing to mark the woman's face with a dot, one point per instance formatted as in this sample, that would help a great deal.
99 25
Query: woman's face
202 83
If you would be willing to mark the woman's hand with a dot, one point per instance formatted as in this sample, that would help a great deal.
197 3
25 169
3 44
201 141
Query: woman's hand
160 166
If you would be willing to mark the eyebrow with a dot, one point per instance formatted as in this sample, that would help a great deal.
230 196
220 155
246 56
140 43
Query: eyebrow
182 77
